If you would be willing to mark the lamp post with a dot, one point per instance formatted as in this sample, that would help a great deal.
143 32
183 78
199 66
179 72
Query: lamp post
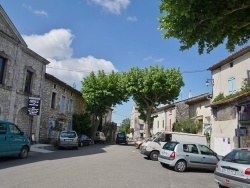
212 83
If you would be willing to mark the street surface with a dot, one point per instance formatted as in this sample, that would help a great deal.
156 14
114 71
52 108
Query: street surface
100 165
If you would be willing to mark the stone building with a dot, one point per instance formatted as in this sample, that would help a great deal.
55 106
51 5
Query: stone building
60 102
21 76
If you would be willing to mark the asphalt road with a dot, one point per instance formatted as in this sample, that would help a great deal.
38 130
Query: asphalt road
100 165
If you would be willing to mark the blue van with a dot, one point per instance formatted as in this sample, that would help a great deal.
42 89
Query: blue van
12 140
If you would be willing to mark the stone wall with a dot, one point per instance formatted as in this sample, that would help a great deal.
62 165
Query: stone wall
52 117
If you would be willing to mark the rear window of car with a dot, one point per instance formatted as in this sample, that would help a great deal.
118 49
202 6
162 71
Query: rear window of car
238 156
68 134
121 135
170 146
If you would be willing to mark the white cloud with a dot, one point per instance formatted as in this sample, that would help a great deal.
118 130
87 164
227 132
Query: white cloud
36 12
151 58
148 58
159 60
55 46
131 18
113 6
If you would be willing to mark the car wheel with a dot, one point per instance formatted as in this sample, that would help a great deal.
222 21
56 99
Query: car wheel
154 155
95 142
221 186
24 152
180 166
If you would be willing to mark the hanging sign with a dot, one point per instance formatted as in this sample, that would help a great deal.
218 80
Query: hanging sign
33 106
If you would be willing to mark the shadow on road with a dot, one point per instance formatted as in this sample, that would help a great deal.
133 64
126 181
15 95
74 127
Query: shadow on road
11 161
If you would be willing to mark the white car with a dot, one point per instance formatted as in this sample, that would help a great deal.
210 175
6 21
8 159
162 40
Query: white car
234 169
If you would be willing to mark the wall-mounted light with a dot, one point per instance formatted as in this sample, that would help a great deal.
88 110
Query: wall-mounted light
211 80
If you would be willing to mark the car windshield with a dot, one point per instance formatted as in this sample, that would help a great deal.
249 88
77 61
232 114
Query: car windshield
68 134
170 146
238 156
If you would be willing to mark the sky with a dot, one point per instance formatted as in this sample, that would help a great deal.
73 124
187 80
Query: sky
80 36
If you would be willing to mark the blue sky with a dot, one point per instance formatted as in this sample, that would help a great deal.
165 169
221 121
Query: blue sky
81 36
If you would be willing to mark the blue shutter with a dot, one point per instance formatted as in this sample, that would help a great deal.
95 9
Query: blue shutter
231 84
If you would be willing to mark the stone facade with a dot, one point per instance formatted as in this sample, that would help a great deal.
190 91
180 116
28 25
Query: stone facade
60 102
17 63
23 75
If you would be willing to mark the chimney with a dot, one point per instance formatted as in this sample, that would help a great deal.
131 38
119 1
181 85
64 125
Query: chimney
190 94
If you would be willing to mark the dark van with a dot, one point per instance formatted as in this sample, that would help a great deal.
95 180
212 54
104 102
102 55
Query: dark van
12 140
121 138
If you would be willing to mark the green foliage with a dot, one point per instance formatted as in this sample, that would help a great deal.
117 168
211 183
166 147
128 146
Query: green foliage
153 86
82 123
187 126
206 23
125 126
219 97
101 92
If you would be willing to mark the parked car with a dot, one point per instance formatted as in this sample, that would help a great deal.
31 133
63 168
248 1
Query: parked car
99 137
234 169
13 141
121 138
139 141
83 140
183 155
67 139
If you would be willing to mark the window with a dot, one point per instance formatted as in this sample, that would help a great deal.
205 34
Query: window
141 126
54 86
231 64
62 107
53 100
231 84
2 68
27 83
70 106
14 129
205 150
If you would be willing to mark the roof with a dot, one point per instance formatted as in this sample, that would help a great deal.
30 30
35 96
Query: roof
229 59
198 98
188 101
56 80
247 94
11 26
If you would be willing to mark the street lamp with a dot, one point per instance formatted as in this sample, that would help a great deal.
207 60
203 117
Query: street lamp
211 80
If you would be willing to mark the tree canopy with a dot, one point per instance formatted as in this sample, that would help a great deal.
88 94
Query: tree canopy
206 23
125 126
153 86
101 92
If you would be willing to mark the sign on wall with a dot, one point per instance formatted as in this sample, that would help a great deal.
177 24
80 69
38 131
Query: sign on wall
33 106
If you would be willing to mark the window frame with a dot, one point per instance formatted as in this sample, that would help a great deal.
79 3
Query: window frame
53 100
28 86
62 104
2 69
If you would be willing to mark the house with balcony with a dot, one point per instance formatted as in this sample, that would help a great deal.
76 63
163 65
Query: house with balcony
230 104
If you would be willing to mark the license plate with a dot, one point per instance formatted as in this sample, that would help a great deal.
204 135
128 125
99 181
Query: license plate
68 140
228 171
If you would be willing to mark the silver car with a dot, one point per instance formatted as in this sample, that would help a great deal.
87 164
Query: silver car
67 139
183 155
234 169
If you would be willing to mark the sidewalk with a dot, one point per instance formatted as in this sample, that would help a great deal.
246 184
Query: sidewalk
42 148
